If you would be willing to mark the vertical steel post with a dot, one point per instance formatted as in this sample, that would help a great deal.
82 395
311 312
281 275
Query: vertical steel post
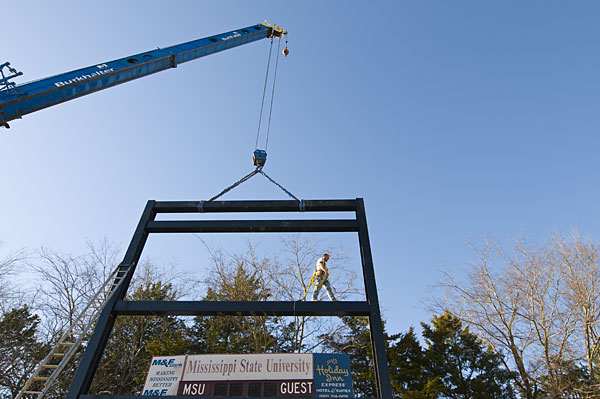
93 353
384 386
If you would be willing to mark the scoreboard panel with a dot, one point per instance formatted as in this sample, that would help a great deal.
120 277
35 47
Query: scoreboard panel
319 375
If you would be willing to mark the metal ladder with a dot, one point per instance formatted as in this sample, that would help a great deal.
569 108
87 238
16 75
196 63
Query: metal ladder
79 331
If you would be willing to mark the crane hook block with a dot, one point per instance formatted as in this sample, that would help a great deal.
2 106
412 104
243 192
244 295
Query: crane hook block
286 51
259 158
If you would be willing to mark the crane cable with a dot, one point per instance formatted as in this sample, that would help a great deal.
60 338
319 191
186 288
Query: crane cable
262 104
265 92
272 94
259 166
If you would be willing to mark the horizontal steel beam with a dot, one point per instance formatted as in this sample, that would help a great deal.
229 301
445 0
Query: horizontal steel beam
252 226
240 308
254 206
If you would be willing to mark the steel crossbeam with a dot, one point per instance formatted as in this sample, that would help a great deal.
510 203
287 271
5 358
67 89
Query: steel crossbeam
252 226
147 225
239 308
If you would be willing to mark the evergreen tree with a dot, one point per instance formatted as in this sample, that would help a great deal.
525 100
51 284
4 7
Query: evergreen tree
20 350
570 379
406 359
135 339
408 364
355 340
235 334
464 367
453 364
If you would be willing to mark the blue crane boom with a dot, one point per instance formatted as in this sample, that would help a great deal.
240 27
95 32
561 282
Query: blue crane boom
19 100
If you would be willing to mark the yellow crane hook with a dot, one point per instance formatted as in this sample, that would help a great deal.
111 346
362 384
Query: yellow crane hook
285 50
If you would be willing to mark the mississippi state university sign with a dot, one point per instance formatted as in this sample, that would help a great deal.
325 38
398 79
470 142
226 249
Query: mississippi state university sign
318 375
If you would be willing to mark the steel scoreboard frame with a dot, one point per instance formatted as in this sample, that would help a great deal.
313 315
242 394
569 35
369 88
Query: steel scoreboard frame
118 306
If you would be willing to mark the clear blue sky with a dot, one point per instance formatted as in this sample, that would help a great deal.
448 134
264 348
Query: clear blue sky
453 119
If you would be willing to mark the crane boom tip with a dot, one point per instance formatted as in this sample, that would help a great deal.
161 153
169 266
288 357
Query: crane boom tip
276 31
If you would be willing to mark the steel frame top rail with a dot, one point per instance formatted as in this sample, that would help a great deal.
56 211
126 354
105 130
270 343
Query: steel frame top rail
347 205
118 306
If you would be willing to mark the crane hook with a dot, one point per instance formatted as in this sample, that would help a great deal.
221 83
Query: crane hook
285 50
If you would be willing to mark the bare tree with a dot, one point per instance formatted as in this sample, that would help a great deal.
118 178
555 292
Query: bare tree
538 277
526 304
284 276
491 303
235 277
10 294
580 270
67 283
135 339
291 278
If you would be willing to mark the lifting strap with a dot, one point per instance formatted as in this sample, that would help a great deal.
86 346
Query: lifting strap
246 178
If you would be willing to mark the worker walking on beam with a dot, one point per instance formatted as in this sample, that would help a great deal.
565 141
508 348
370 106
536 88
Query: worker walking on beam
322 279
